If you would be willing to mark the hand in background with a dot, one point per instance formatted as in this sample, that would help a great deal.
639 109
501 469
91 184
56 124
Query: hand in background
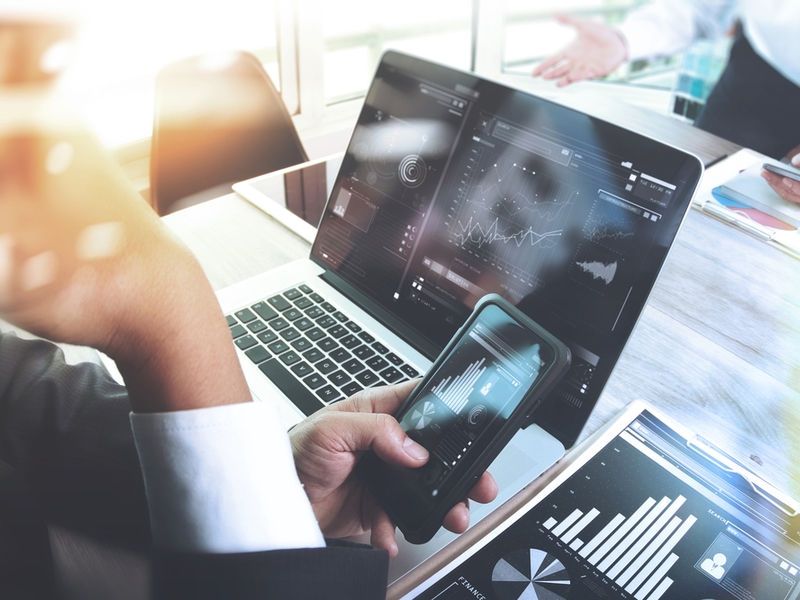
786 188
327 447
598 50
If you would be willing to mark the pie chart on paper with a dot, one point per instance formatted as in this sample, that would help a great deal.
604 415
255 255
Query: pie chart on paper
530 574
421 417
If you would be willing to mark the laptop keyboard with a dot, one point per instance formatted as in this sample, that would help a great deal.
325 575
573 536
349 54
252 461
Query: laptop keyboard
311 350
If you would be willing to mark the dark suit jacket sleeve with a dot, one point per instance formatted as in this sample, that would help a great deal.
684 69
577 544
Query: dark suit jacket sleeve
342 571
65 431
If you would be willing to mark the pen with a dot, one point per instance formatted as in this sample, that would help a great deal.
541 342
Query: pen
730 465
716 160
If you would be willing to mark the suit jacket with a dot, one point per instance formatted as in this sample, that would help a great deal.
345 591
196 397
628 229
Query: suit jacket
67 457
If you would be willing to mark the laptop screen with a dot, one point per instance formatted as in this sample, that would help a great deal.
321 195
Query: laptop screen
453 187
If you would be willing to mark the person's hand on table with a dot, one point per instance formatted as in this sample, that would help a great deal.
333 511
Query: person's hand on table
596 51
327 447
786 188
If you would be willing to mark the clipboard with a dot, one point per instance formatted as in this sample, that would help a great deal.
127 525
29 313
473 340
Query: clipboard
646 511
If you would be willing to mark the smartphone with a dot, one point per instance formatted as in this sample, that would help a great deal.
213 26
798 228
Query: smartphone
483 387
786 171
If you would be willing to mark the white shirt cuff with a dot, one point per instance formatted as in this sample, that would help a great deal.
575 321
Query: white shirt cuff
222 480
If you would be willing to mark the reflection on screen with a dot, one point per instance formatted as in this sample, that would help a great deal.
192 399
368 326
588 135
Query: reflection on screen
473 394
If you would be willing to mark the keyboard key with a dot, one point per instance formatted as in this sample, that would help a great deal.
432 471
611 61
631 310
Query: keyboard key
326 322
303 324
380 347
339 378
290 357
302 369
264 311
246 342
257 326
366 337
278 347
305 289
364 352
237 331
245 315
317 298
394 359
314 381
230 319
302 344
315 334
377 363
303 302
350 341
328 306
391 375
352 327
279 303
290 334
292 294
327 344
267 337
326 366
314 312
337 331
258 354
340 316
329 393
313 355
291 387
367 378
292 314
340 355
278 324
353 366
410 371
351 388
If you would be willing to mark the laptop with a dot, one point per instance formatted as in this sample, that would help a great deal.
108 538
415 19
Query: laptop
452 187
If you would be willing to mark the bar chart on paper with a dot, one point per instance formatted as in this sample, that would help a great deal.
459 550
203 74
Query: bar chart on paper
634 551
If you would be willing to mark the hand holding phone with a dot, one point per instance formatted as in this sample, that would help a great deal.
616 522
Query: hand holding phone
482 388
783 171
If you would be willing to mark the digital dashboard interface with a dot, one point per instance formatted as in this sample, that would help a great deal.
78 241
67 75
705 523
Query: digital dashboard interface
453 187
472 395
649 517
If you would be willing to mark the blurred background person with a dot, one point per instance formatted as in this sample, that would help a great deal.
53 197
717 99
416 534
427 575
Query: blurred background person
756 102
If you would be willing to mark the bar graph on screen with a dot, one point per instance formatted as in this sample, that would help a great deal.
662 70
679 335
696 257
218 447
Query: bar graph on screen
455 392
634 551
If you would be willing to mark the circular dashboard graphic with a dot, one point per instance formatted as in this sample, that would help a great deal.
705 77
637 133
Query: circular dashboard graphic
421 417
412 171
530 574
476 416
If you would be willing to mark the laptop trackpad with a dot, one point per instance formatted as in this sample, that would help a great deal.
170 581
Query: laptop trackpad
528 455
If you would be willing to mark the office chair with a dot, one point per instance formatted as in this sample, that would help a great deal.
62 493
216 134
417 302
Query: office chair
218 119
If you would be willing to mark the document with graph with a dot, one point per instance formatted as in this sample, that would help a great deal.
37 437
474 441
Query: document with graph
646 513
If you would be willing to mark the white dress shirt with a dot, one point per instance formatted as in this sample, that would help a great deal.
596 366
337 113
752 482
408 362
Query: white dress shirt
668 26
222 480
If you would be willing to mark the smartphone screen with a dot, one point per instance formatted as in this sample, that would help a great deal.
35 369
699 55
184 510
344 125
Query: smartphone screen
462 405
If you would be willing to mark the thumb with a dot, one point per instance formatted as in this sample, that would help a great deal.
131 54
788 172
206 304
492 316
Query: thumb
796 160
382 434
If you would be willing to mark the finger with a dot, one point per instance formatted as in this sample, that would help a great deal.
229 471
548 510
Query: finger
559 70
796 160
548 63
457 519
382 532
485 489
385 399
565 19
